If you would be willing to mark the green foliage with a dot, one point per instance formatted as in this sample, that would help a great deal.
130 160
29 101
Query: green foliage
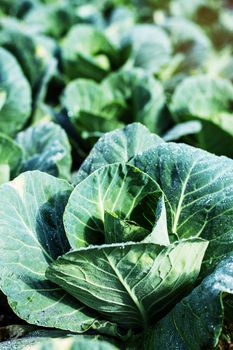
46 148
11 156
14 87
106 243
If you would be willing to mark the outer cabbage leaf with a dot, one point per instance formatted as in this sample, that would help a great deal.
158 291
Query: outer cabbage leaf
73 343
183 31
197 321
32 338
202 97
151 47
59 340
52 19
143 96
118 188
32 236
209 100
183 129
198 10
117 146
87 53
46 148
220 64
91 13
198 193
129 283
2 98
189 41
17 8
90 107
15 94
11 156
121 21
35 54
123 97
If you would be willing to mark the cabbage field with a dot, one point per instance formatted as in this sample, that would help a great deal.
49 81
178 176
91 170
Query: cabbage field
116 175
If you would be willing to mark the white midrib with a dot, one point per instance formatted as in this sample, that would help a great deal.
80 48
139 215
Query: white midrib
139 306
100 201
182 195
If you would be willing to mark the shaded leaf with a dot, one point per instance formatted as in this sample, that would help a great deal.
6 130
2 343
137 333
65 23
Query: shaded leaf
90 107
118 230
46 148
14 331
143 95
116 188
197 321
52 19
190 41
14 88
11 156
209 100
151 47
34 53
91 55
